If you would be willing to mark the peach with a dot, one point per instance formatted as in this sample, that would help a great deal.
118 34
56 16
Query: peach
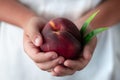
62 36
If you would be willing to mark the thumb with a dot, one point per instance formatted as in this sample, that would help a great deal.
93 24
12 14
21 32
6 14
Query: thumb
33 30
37 40
35 37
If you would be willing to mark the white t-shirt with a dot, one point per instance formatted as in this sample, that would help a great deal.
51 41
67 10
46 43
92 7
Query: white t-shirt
16 65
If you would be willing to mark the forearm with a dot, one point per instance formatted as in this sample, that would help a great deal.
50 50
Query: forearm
109 14
13 12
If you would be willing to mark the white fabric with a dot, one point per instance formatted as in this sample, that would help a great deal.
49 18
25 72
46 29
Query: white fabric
16 65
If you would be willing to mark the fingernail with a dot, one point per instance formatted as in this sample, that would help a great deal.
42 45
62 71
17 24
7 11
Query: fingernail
37 41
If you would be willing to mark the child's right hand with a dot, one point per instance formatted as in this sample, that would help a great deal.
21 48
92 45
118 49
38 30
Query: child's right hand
33 39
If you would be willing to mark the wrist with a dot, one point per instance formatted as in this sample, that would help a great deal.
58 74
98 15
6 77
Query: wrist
27 20
34 21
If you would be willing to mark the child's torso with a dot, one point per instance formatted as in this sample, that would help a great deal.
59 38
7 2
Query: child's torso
67 8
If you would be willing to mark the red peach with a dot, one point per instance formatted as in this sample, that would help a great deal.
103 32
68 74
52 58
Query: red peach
62 36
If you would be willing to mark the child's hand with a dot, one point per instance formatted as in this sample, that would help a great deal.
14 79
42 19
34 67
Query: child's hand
32 41
71 66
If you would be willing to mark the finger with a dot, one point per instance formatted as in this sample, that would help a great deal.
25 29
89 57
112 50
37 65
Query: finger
35 54
35 36
50 64
49 70
80 63
87 53
29 47
76 65
33 29
89 48
62 71
44 57
86 57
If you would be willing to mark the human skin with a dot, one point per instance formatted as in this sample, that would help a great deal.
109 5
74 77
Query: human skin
13 12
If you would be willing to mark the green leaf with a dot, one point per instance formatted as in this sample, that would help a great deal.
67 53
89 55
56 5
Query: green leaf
93 33
87 22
